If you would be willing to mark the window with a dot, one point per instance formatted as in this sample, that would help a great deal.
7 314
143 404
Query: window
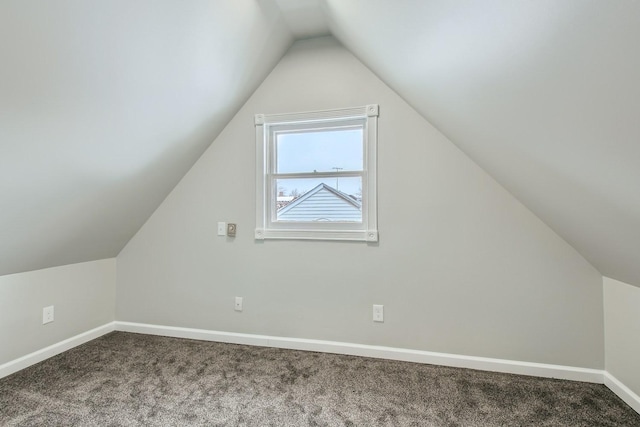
316 175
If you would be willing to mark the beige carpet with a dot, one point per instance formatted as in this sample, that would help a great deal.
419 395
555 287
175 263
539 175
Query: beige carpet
124 379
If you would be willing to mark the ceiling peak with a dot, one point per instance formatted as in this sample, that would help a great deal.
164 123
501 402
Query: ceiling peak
305 18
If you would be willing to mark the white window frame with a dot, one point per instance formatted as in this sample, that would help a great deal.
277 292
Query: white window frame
267 125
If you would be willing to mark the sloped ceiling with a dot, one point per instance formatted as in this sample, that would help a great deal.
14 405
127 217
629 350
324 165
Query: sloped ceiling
544 95
105 105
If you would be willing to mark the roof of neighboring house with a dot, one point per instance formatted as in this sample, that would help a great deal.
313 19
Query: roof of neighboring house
322 203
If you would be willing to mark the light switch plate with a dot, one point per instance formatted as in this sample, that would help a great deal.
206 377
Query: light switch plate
222 229
231 229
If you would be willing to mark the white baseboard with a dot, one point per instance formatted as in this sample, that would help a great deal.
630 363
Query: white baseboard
380 352
623 392
194 334
47 352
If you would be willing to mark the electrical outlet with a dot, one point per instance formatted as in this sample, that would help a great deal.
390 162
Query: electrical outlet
47 315
378 313
222 229
238 306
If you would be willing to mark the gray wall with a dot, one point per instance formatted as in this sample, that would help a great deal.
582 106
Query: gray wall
461 266
83 296
622 332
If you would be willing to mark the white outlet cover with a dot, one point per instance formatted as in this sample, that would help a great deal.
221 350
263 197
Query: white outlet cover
47 315
238 305
378 313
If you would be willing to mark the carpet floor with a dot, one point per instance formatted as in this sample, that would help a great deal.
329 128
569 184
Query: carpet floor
124 379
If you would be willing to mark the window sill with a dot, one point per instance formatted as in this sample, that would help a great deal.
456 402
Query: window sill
345 235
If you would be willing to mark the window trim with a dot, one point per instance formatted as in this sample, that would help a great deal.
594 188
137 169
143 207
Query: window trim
367 230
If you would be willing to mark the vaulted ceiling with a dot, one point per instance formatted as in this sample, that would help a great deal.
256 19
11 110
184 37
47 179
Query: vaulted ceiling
105 105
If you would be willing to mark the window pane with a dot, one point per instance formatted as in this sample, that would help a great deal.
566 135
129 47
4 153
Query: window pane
328 199
319 151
